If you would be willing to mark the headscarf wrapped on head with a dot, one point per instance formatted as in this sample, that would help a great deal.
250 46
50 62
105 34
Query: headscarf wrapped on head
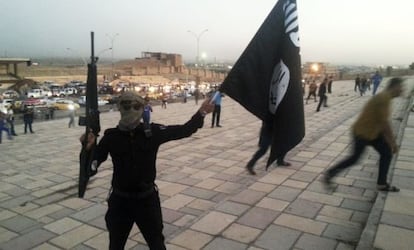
131 106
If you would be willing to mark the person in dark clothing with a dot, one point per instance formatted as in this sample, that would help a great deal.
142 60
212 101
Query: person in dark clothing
357 86
330 84
323 99
265 141
134 197
363 86
10 121
28 117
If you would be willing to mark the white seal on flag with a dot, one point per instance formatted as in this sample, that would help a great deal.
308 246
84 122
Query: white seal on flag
278 85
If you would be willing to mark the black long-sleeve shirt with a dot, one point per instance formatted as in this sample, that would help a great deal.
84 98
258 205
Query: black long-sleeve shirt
134 155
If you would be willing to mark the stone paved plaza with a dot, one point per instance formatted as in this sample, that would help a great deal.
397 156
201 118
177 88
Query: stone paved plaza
209 200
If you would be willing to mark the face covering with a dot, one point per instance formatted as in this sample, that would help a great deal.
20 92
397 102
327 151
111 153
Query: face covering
131 107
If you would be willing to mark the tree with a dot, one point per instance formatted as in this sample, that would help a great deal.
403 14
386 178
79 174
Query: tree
412 66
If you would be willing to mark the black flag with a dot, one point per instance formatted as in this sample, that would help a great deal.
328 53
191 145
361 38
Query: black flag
267 80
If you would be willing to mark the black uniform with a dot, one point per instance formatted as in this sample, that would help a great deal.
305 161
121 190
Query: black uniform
134 196
323 99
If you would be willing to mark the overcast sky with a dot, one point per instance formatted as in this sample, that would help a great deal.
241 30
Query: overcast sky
358 32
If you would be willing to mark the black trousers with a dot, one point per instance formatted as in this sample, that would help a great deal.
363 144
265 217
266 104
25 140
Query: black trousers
124 212
216 115
359 144
323 99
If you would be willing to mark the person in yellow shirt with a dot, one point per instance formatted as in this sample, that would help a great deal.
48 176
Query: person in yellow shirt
373 128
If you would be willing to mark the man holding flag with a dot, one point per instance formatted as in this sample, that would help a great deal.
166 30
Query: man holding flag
266 79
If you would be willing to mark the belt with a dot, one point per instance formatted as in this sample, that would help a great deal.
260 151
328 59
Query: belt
135 195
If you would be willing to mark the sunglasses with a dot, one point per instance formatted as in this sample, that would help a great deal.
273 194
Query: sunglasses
127 105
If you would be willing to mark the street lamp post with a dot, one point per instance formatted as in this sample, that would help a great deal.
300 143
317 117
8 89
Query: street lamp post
112 38
198 36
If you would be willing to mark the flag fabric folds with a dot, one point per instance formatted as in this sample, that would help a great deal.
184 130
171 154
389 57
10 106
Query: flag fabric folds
267 80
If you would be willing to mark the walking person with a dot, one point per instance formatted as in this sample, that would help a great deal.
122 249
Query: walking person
10 121
146 115
323 98
71 118
373 128
312 91
134 197
357 86
330 81
376 80
265 141
215 119
363 85
28 117
3 126
164 101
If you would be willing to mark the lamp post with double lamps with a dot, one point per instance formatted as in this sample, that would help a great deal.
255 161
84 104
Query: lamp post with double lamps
197 37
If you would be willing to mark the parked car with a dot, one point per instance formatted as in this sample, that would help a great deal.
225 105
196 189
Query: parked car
67 92
64 104
6 103
82 101
32 102
10 94
36 93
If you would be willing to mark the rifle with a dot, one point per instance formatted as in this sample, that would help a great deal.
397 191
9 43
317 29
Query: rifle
91 121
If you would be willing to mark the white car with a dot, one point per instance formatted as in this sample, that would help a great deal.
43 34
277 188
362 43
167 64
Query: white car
10 94
82 101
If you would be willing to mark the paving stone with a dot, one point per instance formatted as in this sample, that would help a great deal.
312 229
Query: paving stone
398 220
272 204
6 235
262 187
90 213
304 176
201 204
342 233
277 238
322 198
214 222
19 223
178 201
62 213
336 212
62 226
233 208
312 242
304 208
209 183
258 217
46 246
300 223
6 214
248 197
221 243
100 241
28 241
360 217
43 211
241 233
362 206
389 237
74 237
228 187
285 193
190 239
